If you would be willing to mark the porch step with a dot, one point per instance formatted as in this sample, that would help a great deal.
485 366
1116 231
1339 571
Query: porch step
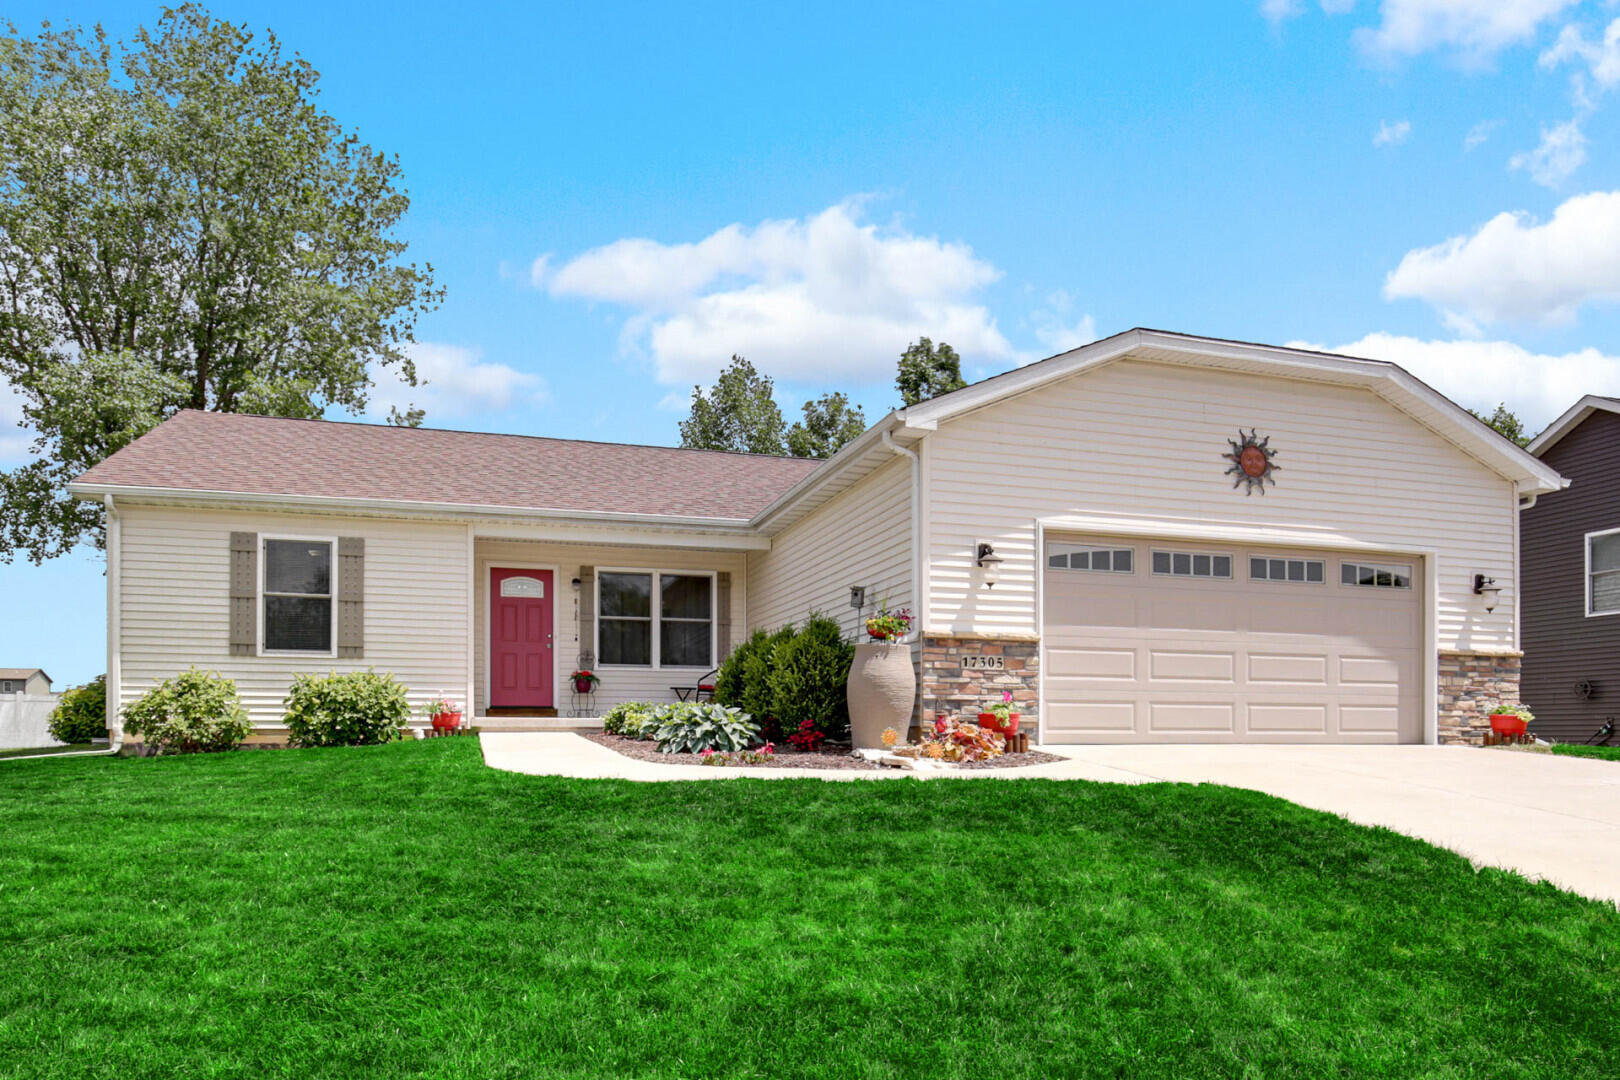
577 724
501 710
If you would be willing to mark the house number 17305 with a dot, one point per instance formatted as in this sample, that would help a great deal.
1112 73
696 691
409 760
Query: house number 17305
984 663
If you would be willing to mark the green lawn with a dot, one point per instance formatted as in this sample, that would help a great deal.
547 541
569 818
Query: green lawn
404 911
1608 753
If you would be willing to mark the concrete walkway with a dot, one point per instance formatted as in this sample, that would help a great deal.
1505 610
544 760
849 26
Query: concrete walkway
1547 817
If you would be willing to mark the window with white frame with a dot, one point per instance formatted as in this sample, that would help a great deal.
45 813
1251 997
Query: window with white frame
1306 571
1375 575
1191 564
1603 573
655 618
1113 560
297 595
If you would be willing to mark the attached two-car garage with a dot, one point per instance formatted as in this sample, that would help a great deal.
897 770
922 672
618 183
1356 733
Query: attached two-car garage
1174 641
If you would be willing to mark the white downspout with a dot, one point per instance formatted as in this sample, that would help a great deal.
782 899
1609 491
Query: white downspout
115 727
917 583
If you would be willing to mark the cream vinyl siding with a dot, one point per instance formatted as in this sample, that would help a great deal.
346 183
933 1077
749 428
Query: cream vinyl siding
861 537
175 603
1143 442
618 683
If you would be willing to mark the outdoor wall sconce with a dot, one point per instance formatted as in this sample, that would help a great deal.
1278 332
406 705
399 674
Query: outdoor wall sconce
1488 588
990 563
575 583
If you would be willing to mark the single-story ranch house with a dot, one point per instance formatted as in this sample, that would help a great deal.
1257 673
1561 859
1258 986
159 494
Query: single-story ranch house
1153 538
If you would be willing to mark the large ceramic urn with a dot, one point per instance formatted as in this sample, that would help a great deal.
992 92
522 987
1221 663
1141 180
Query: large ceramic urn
882 689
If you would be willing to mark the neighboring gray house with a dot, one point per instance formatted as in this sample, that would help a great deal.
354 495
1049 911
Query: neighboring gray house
17 680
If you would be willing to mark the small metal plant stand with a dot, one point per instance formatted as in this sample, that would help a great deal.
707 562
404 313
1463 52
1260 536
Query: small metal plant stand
582 704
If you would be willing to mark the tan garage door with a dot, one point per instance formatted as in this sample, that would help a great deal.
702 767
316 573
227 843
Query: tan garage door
1182 642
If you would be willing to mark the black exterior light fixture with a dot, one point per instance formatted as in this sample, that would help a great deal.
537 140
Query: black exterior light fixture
988 561
1488 588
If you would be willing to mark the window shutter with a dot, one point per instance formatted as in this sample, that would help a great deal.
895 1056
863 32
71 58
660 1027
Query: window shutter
244 593
587 614
351 613
722 621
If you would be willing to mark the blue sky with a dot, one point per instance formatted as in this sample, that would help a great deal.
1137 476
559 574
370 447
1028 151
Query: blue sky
617 198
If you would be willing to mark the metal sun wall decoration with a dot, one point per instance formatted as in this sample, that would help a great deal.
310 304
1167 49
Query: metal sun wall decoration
1252 463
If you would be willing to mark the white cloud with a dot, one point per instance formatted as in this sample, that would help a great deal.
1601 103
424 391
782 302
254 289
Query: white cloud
1278 10
459 385
1602 57
1479 374
1562 150
823 298
1337 7
1058 329
1476 30
15 441
1389 134
1479 134
1516 268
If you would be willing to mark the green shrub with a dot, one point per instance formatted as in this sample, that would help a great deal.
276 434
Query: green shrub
629 718
357 708
194 712
758 668
81 715
808 677
729 680
689 727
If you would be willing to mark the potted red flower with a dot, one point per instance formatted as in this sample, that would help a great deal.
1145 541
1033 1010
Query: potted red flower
1511 719
1001 717
889 625
446 714
584 681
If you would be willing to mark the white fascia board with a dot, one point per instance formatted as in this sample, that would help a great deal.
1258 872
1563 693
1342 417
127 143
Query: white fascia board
328 504
1570 420
868 443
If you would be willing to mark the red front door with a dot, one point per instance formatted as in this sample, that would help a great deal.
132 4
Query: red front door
520 639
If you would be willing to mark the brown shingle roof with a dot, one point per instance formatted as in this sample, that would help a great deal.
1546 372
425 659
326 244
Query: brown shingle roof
224 452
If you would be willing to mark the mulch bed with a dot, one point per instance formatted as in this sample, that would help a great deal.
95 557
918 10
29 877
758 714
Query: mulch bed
787 758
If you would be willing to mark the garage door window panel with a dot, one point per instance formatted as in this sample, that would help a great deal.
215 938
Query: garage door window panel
1192 564
1375 575
1298 571
1098 559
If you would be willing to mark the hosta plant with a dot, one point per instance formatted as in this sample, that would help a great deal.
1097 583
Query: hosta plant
194 712
692 727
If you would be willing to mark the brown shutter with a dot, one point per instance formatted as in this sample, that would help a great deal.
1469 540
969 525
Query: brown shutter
244 593
351 613
722 623
587 616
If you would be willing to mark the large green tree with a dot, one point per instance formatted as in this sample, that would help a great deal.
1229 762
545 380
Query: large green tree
829 422
927 371
738 414
181 226
1506 424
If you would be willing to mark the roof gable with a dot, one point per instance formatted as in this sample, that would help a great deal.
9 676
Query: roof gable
1394 384
1572 418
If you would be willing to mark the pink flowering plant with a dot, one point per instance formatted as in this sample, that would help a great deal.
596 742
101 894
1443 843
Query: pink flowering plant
889 625
1003 709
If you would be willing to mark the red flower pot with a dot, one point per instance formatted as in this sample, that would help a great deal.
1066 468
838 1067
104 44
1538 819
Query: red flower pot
993 722
447 721
1508 724
583 686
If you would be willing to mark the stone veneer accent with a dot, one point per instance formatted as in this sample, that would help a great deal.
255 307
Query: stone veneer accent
945 689
1470 683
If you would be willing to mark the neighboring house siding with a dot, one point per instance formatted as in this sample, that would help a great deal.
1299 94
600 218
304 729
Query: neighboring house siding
618 683
1144 442
1562 646
175 602
860 537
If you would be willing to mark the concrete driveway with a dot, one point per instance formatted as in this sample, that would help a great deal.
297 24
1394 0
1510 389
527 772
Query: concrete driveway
1548 817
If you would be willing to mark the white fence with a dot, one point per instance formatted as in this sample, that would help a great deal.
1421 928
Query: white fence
23 720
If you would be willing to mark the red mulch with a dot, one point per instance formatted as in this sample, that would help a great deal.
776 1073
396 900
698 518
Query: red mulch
837 757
